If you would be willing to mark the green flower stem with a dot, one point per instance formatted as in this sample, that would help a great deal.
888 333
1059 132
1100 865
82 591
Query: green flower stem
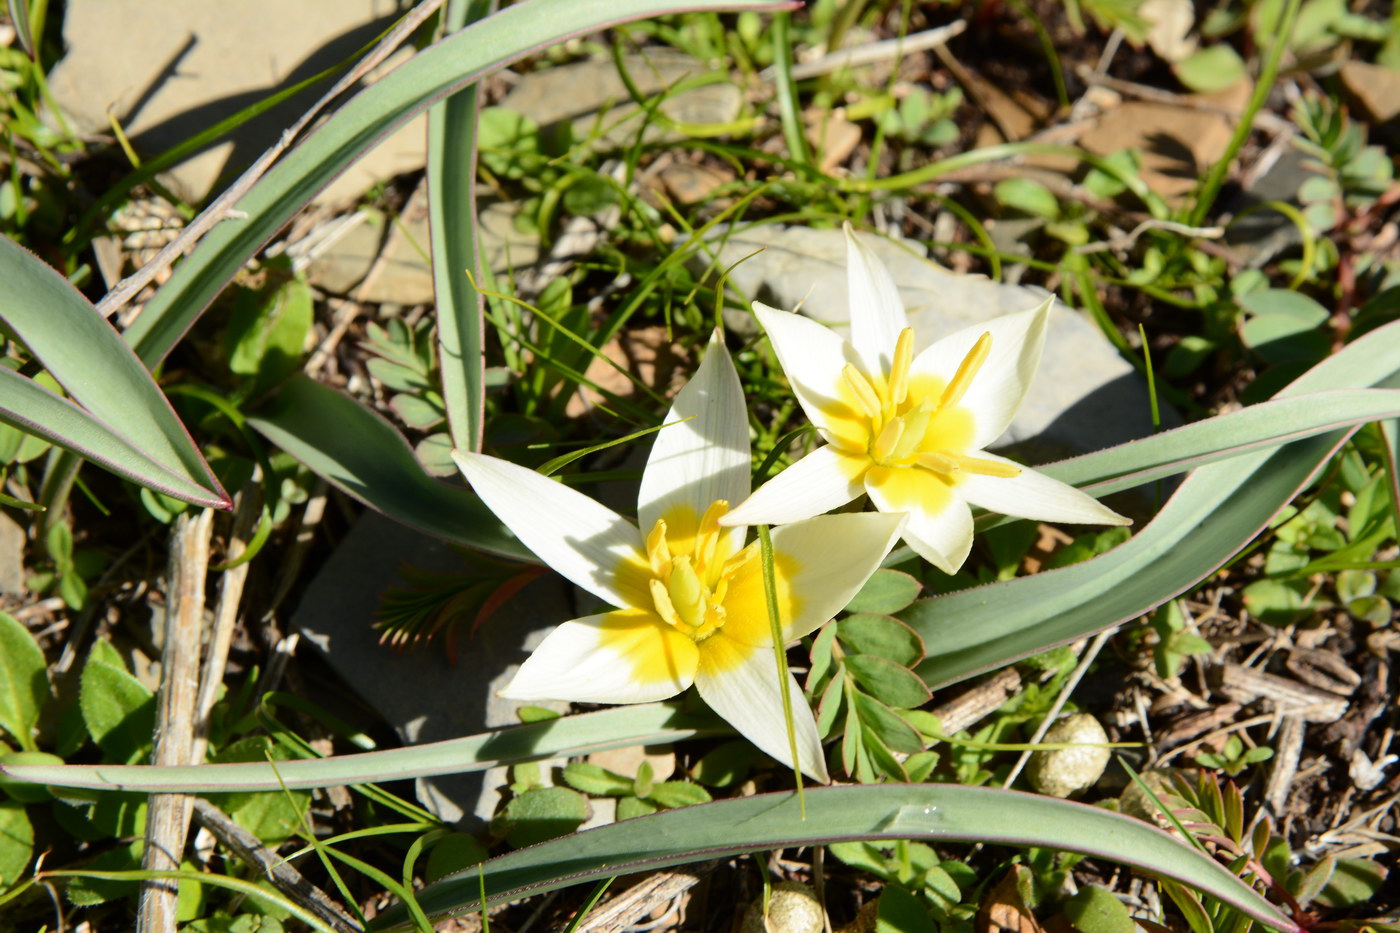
1210 188
770 590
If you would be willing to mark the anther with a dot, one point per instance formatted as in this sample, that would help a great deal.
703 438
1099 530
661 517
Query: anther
860 387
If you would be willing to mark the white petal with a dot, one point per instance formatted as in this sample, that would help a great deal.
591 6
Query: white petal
706 457
812 356
583 540
615 657
1005 376
741 684
877 313
943 537
1036 496
827 560
819 482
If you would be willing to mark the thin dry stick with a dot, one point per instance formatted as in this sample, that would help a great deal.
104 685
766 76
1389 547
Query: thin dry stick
1074 678
168 815
222 206
872 52
272 866
245 521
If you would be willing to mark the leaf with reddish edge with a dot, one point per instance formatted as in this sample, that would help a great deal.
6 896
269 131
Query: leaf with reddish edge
878 812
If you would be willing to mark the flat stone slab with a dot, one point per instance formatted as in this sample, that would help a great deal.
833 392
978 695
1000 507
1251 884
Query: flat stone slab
1084 397
592 96
419 692
167 71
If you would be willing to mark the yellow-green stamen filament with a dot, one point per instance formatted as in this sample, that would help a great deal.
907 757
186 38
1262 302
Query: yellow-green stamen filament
899 369
967 370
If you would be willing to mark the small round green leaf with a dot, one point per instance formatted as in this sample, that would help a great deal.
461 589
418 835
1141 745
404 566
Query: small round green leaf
1096 910
882 636
887 591
1211 69
544 813
888 682
24 681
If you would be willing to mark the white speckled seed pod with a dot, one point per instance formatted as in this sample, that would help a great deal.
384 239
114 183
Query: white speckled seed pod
1067 771
792 908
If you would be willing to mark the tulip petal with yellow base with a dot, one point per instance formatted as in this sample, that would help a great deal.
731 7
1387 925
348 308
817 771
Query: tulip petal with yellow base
691 604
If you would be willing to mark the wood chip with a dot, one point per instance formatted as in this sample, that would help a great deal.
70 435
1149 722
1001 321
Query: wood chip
1247 684
1323 669
971 707
1288 747
638 901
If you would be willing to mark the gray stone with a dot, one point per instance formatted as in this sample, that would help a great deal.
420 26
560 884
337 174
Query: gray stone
1085 396
402 275
1259 237
167 71
420 693
593 97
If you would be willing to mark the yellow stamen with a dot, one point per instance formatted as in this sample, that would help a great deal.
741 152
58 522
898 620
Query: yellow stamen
943 461
662 601
967 370
707 538
888 440
899 369
865 394
658 551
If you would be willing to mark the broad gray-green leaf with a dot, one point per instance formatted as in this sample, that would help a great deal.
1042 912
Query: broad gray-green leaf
452 222
1258 427
272 816
1216 511
569 736
24 681
444 67
121 420
359 452
935 812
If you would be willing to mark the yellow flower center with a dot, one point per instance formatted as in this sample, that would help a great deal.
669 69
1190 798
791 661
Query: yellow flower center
906 421
688 589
